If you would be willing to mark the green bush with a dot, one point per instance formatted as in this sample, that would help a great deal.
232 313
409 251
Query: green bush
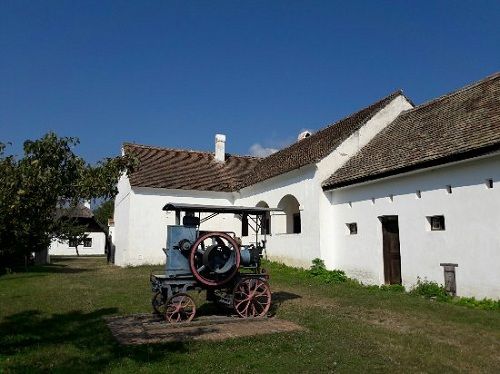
423 288
318 270
393 288
487 304
429 290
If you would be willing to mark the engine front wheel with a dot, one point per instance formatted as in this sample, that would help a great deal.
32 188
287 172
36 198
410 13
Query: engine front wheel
157 302
180 308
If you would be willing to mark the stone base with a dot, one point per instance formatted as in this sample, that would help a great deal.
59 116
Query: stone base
147 328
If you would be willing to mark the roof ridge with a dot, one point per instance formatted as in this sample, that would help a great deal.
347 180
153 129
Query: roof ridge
455 92
184 150
165 148
394 94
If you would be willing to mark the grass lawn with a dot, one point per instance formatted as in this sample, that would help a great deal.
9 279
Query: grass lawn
51 320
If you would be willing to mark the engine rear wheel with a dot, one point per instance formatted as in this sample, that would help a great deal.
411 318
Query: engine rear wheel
251 298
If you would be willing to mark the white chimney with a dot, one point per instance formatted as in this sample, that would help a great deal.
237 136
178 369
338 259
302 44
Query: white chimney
220 147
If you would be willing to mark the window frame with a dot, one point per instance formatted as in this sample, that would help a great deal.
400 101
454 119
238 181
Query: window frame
437 223
352 228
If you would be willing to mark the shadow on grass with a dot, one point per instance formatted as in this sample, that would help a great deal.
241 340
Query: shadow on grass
20 276
66 265
69 342
279 298
57 268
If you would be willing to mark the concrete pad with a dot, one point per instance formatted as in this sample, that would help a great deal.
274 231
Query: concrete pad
148 329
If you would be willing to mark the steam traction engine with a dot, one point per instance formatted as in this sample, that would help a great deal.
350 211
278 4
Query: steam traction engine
212 261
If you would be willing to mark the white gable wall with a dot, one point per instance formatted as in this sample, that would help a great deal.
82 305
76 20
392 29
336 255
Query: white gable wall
305 185
147 226
340 156
471 237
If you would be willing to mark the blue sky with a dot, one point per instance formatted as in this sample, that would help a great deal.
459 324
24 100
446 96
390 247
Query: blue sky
175 73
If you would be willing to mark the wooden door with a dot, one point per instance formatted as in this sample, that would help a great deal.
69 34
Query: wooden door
392 254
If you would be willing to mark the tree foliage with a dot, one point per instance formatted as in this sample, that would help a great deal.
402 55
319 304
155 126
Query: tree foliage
104 212
49 176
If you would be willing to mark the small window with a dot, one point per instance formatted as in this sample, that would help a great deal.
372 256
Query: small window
436 223
352 228
448 189
419 194
489 183
73 243
87 242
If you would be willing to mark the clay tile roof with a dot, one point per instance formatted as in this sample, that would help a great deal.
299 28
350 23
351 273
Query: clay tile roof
187 170
456 126
315 147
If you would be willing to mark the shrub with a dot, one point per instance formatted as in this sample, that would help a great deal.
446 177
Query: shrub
471 302
318 270
430 290
393 288
423 288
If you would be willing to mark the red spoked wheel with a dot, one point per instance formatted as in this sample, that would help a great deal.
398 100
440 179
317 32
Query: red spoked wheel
214 259
252 298
180 308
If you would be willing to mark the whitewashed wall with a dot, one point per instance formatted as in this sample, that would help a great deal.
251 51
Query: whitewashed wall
305 185
341 155
62 248
122 221
138 211
146 227
472 222
292 249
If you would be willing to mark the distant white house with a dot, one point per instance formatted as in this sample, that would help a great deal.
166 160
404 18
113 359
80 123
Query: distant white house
388 194
93 244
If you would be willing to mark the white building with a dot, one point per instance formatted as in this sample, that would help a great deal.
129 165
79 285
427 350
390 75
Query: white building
94 242
413 186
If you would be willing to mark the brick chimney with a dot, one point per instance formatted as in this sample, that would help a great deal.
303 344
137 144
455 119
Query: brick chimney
220 147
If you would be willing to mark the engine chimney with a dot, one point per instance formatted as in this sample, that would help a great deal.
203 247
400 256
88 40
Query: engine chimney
220 147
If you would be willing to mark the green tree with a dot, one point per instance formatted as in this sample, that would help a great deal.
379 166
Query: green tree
49 176
104 212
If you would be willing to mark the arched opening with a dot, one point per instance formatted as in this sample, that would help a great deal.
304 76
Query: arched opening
265 228
290 207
